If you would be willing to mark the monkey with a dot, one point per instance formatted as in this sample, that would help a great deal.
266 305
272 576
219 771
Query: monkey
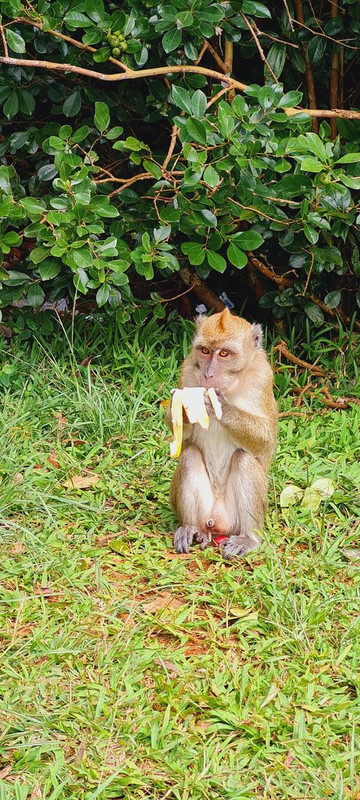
220 484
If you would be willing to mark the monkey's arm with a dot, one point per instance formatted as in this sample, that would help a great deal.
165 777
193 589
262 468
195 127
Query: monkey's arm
253 432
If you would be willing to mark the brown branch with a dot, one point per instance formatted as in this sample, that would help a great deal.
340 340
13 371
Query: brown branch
342 42
218 60
310 83
334 73
283 350
291 21
202 51
182 69
261 267
142 176
200 289
219 94
174 135
258 45
2 33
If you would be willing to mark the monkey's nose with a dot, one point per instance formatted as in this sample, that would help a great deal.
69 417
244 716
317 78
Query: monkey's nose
210 523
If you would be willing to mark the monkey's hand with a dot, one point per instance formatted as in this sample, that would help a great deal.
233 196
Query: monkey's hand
187 535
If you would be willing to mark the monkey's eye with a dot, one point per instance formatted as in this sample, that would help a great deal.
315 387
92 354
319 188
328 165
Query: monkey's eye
206 351
223 353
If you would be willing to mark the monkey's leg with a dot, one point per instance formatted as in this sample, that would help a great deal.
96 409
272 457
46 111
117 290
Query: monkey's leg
246 503
192 499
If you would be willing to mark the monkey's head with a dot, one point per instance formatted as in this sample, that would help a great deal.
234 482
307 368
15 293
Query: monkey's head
223 346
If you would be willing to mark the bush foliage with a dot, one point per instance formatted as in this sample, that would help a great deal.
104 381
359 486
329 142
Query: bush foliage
158 160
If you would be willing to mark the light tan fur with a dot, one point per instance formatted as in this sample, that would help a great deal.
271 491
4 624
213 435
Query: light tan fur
220 484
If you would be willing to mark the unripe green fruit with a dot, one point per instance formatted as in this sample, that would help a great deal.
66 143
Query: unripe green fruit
121 39
117 33
124 46
113 41
325 178
116 51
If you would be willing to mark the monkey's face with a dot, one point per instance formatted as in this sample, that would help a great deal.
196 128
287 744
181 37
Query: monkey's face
218 365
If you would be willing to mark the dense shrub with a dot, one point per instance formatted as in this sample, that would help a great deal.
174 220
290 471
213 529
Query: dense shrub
102 180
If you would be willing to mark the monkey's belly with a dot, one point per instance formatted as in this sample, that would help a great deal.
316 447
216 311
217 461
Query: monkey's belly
217 450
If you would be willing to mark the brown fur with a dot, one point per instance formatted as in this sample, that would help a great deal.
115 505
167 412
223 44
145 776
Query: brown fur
222 473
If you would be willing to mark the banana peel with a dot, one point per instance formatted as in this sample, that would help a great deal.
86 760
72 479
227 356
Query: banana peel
192 400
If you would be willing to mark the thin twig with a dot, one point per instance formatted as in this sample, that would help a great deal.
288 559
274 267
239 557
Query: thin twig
342 42
202 51
284 351
142 176
309 274
291 21
174 135
218 95
258 45
2 33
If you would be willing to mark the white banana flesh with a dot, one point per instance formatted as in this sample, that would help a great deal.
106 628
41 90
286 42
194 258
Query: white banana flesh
192 400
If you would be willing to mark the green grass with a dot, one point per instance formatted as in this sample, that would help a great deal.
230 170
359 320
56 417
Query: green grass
245 684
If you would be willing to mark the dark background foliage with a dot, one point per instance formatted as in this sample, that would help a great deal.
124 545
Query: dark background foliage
124 189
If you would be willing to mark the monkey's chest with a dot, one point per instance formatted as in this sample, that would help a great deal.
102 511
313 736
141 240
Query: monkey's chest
217 449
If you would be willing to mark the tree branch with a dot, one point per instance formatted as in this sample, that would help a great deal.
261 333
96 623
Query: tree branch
334 73
181 69
202 292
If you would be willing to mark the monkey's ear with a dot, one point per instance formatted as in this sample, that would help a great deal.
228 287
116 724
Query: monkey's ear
257 334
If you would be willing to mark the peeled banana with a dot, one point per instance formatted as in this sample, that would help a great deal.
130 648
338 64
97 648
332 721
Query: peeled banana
192 400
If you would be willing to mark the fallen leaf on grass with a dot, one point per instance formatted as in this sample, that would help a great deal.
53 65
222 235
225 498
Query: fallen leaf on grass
325 486
46 591
167 666
81 481
234 611
52 459
120 546
312 498
61 422
352 553
161 601
18 478
290 495
273 691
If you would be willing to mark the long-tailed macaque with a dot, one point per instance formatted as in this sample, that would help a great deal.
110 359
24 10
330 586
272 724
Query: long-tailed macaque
220 484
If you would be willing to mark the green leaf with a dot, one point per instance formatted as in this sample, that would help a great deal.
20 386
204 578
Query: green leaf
11 238
255 8
311 499
196 130
72 104
333 299
181 98
317 147
349 158
154 169
352 183
11 105
102 294
216 261
81 280
311 165
310 233
290 99
195 252
314 313
38 254
226 120
211 177
236 256
95 9
171 40
316 49
276 58
185 19
15 41
198 104
35 295
26 101
101 116
49 268
267 97
247 240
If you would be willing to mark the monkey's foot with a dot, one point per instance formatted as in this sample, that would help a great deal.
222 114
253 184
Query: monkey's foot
238 546
187 535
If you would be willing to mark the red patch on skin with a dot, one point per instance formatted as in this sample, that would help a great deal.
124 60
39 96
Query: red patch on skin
218 539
